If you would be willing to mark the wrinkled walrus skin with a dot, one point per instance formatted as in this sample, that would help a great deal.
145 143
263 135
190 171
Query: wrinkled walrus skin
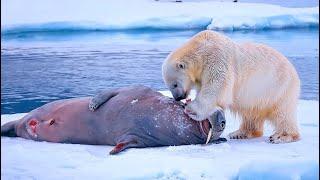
133 116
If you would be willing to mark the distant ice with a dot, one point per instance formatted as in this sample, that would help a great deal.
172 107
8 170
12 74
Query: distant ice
19 16
235 159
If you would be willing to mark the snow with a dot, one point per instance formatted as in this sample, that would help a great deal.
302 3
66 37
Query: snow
238 159
280 170
19 16
134 101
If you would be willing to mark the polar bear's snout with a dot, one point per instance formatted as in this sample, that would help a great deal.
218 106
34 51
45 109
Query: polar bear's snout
178 94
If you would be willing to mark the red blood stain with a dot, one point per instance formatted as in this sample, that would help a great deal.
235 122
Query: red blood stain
33 124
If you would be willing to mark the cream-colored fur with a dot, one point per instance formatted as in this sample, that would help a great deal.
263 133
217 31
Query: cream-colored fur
252 80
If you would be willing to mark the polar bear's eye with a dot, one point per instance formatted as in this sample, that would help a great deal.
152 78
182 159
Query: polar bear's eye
175 85
181 66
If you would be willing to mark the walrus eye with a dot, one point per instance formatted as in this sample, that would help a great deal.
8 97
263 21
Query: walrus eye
51 122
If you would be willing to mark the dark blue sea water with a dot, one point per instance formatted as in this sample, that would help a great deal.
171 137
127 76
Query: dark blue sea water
37 68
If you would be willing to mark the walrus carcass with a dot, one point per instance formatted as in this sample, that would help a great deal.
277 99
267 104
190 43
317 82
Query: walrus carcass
134 116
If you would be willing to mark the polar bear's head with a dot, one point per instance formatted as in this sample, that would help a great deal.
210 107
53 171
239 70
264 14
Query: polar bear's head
182 70
176 78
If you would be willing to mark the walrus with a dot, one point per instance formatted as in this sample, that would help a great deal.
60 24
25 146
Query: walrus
135 116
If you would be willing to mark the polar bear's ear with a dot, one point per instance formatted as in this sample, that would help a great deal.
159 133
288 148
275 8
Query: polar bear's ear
181 65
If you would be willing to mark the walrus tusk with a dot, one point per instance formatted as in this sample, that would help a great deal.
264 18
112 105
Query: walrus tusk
209 136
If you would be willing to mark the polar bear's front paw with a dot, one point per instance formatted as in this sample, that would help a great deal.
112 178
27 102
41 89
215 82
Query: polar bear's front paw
93 105
193 112
238 135
277 138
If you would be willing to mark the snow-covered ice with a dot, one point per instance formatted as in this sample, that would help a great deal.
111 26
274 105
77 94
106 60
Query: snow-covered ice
235 159
18 16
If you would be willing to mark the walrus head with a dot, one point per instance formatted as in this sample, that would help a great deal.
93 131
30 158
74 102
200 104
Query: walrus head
213 126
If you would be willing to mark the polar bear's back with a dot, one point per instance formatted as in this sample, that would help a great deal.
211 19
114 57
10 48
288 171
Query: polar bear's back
264 73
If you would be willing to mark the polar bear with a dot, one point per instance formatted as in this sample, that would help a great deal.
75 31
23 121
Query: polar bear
252 80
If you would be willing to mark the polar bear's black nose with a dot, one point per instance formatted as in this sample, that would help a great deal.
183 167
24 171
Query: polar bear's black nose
179 97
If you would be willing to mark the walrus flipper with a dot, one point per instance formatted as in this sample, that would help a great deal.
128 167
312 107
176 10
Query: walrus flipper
123 145
101 98
9 129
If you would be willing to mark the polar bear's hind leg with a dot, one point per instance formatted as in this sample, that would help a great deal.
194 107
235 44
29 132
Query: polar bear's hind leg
251 125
